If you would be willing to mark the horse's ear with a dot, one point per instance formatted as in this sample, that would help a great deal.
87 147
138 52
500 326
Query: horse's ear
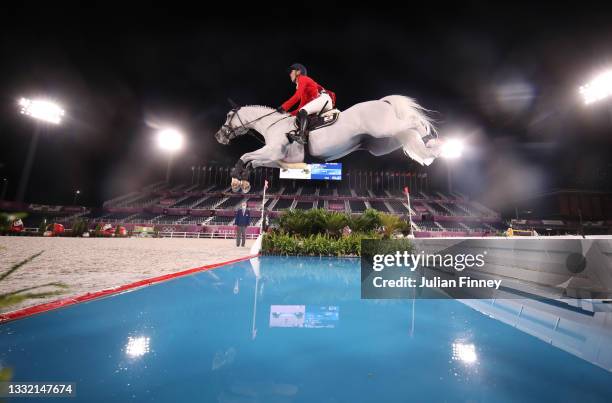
232 103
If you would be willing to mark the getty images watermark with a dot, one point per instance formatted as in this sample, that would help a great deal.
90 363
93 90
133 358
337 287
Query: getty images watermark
486 268
410 269
412 262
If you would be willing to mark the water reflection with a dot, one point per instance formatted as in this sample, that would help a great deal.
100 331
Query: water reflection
223 358
464 352
314 317
204 343
256 271
137 346
582 328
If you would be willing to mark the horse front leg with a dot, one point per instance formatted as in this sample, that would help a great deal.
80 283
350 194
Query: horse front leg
264 156
240 172
236 174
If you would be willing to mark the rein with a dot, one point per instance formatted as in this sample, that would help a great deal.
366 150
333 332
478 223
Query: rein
243 125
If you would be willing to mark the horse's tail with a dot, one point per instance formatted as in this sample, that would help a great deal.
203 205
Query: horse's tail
417 120
407 109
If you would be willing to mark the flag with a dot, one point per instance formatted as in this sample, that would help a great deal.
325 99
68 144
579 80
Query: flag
265 184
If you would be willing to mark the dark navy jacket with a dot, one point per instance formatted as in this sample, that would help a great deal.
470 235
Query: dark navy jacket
242 220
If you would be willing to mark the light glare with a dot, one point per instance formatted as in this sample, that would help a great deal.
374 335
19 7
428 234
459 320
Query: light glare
137 346
599 88
41 109
170 140
452 149
464 352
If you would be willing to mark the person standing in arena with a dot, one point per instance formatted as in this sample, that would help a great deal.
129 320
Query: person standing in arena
243 217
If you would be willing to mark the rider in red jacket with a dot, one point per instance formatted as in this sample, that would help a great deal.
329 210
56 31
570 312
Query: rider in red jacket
312 98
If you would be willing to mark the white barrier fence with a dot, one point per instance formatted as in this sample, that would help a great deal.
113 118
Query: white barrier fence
176 234
209 235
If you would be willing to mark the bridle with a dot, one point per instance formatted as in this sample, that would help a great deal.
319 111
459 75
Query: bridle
233 132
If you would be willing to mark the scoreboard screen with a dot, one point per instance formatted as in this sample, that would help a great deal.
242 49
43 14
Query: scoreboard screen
327 171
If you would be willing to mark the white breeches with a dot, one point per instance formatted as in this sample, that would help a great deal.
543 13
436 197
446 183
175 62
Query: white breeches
316 104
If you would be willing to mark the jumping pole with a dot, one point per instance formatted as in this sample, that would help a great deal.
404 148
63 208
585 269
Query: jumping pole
409 208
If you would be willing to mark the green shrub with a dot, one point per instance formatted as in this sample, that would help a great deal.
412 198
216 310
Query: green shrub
79 226
369 221
335 222
279 243
318 232
391 224
295 222
386 246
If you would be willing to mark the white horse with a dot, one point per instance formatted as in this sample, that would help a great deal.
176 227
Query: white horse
380 126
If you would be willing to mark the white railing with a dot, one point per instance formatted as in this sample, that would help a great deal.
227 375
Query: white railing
229 234
209 235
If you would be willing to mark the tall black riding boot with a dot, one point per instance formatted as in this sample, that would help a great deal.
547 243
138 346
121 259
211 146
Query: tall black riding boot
302 136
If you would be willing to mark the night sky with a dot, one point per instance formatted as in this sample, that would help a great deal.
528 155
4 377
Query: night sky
503 77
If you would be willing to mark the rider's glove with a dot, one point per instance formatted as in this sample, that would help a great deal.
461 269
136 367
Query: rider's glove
280 110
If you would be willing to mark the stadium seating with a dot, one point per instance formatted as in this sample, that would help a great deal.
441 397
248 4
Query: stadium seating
456 209
272 190
438 208
209 203
290 190
428 226
380 206
95 214
114 216
231 203
357 206
193 220
303 205
143 217
168 205
283 204
344 191
308 189
379 193
326 191
220 220
398 206
362 192
187 202
452 226
476 226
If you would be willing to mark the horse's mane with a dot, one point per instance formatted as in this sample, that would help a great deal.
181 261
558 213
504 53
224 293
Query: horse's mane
258 106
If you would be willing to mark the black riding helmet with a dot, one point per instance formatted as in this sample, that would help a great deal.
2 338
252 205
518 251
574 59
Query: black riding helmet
300 67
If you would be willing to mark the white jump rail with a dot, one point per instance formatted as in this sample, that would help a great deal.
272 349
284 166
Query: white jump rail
208 235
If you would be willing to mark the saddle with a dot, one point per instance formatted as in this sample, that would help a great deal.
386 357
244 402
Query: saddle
317 121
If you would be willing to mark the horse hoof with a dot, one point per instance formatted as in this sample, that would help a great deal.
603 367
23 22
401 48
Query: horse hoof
235 185
246 186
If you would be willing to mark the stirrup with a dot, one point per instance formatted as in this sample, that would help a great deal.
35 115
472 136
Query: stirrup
291 137
302 139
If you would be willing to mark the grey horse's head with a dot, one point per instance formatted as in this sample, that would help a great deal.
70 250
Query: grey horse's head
231 129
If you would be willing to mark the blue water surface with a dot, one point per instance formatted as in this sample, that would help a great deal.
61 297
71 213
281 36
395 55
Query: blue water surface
289 330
